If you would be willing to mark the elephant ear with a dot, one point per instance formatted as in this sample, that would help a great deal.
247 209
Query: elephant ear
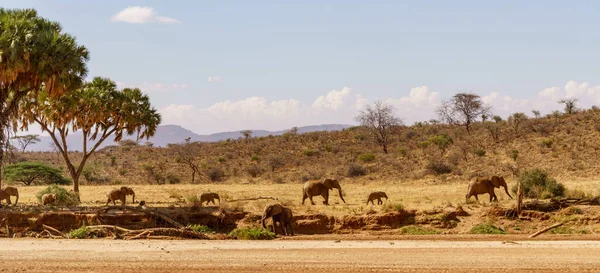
498 181
328 183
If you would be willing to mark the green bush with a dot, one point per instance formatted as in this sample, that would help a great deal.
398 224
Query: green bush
366 157
486 229
438 167
252 234
479 152
215 174
389 206
310 152
80 233
442 141
63 196
275 162
34 173
514 154
537 184
417 230
200 228
254 170
91 173
173 178
355 170
547 142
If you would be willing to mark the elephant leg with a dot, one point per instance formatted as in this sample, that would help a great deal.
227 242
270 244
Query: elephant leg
325 195
291 230
273 220
304 196
476 198
310 197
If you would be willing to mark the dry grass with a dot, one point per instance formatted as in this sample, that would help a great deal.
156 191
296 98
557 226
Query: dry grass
416 195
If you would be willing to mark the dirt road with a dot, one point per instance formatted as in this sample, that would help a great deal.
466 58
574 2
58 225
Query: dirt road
39 255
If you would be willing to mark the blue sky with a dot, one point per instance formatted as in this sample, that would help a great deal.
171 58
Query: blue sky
275 64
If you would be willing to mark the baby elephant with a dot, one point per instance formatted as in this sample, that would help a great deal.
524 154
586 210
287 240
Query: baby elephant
7 192
377 195
279 214
120 194
209 197
49 199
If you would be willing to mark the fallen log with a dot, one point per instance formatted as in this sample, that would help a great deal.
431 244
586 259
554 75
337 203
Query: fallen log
545 229
253 199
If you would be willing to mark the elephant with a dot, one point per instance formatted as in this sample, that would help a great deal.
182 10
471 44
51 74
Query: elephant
314 188
120 194
49 199
481 185
376 195
7 192
279 214
209 197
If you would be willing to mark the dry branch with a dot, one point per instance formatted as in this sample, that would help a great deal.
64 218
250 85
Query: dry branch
140 235
144 210
109 226
255 198
545 229
49 229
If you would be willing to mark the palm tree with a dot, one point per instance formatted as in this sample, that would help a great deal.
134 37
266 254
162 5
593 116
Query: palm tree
34 55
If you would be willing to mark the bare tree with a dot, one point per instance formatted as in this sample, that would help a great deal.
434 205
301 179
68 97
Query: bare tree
379 119
463 109
186 154
570 105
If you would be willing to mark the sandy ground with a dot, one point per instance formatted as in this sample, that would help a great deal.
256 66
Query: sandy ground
40 255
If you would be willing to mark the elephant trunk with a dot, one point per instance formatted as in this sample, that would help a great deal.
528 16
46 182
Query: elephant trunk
506 190
133 198
340 192
17 200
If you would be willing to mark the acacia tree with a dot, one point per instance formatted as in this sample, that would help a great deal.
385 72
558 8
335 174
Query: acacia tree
25 140
186 155
98 110
570 105
463 109
379 119
34 55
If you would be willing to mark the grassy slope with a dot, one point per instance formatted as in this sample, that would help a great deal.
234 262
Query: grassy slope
567 147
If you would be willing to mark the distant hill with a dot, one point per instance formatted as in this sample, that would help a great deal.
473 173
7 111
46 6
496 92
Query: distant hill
166 134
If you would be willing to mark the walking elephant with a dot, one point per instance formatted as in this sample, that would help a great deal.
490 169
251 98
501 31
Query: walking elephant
278 214
376 195
7 192
209 197
120 194
314 188
482 185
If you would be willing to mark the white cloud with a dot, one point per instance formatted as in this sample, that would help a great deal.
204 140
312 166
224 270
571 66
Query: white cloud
141 15
418 106
333 100
214 79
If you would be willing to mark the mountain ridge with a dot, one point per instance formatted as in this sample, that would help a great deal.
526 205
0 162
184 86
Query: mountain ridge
171 133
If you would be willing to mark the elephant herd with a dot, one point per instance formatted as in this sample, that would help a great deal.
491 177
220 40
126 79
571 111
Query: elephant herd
278 213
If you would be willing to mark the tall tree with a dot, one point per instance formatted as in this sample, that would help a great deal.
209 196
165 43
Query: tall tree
99 111
34 55
379 119
463 109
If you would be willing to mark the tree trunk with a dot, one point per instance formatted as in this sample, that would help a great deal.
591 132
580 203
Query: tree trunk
2 144
385 150
519 198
